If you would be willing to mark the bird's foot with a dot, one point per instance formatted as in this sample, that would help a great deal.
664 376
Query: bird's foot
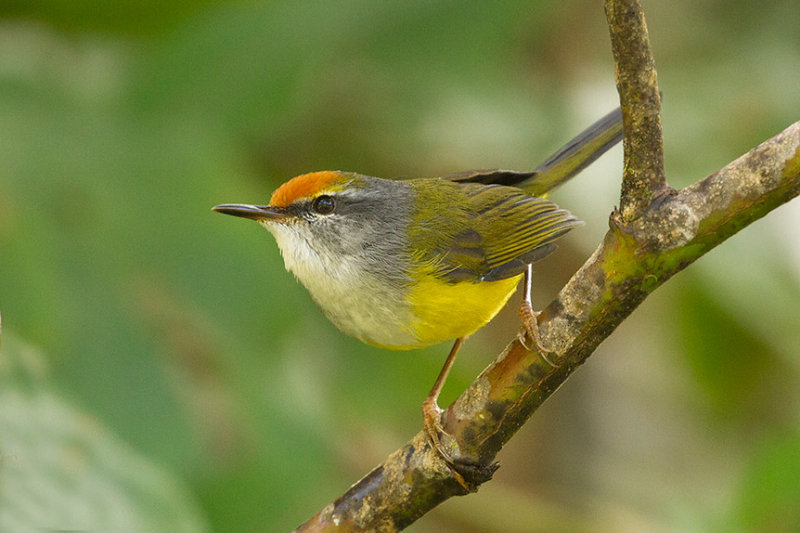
468 472
530 326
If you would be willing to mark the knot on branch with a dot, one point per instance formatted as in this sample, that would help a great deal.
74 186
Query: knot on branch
669 225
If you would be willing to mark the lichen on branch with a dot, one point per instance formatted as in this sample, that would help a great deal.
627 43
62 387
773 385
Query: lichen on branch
656 233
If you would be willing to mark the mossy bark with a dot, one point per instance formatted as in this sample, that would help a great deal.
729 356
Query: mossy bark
656 233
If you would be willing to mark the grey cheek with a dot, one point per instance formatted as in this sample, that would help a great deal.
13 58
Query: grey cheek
335 239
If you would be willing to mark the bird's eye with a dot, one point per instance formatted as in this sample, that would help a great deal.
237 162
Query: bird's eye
323 205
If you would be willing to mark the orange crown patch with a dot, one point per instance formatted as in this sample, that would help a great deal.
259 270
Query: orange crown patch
302 186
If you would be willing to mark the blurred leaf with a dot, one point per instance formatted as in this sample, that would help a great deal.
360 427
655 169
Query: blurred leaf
769 497
738 328
728 362
62 470
131 17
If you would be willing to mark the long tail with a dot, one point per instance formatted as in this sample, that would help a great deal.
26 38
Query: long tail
576 155
568 161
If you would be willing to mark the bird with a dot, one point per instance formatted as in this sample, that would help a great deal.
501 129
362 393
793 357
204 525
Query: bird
405 264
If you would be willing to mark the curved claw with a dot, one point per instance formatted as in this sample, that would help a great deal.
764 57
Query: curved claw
531 327
469 474
431 422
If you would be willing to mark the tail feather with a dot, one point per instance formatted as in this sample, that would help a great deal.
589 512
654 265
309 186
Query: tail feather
568 161
576 155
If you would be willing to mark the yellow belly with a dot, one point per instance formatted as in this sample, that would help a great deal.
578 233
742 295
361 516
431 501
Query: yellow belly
445 311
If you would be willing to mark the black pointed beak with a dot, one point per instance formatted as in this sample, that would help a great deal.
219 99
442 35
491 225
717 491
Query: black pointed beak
253 212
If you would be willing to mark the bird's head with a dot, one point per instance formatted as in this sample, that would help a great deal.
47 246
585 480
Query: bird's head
330 217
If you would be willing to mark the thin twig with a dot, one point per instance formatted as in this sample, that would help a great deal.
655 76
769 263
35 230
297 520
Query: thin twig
643 177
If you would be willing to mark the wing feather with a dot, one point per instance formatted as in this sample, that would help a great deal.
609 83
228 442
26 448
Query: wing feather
483 232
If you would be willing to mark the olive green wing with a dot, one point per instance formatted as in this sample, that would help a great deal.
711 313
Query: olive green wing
485 232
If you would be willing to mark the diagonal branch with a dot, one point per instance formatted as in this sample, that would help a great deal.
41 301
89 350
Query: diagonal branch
652 237
633 260
643 176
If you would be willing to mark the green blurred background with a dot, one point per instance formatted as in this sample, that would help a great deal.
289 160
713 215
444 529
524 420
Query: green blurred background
175 336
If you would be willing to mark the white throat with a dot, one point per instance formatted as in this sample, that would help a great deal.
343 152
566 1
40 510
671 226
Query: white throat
353 299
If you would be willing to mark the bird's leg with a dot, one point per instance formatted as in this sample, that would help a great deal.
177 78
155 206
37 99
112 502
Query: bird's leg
529 316
432 413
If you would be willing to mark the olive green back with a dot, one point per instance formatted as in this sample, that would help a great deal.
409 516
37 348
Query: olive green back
476 232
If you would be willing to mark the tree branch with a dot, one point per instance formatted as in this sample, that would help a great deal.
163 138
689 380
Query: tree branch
653 236
633 260
643 176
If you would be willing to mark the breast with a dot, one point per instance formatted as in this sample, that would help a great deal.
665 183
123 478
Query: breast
363 308
354 299
445 310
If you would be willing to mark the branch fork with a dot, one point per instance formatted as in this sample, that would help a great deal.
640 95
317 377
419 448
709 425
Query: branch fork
655 233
